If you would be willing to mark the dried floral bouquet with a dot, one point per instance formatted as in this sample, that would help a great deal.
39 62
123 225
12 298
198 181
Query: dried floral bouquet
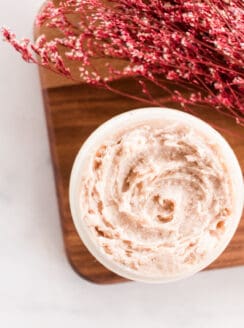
198 45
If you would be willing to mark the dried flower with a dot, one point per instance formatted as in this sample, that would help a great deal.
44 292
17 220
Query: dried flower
197 45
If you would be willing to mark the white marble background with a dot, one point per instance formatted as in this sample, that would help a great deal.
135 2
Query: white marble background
37 286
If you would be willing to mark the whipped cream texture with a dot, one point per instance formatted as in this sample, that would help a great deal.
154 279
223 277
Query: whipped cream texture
157 199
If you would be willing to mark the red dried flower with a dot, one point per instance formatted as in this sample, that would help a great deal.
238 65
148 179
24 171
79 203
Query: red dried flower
195 44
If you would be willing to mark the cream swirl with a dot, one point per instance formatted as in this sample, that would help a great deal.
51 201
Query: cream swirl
157 199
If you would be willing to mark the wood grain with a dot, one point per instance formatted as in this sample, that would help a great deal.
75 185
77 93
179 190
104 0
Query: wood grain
73 112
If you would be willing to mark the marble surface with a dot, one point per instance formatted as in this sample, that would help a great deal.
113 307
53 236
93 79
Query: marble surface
37 286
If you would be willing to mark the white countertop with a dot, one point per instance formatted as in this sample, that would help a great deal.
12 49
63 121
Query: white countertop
38 288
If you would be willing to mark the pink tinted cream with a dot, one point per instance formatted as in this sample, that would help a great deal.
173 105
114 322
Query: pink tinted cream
157 195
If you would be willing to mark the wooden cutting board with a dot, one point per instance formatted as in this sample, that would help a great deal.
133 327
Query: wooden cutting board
73 111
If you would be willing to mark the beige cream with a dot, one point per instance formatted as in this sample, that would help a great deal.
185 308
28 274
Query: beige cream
157 198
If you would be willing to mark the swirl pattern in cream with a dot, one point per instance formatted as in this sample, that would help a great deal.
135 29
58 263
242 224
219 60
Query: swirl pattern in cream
157 200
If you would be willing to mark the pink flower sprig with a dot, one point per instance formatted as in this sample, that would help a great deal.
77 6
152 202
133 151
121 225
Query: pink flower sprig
195 46
47 51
